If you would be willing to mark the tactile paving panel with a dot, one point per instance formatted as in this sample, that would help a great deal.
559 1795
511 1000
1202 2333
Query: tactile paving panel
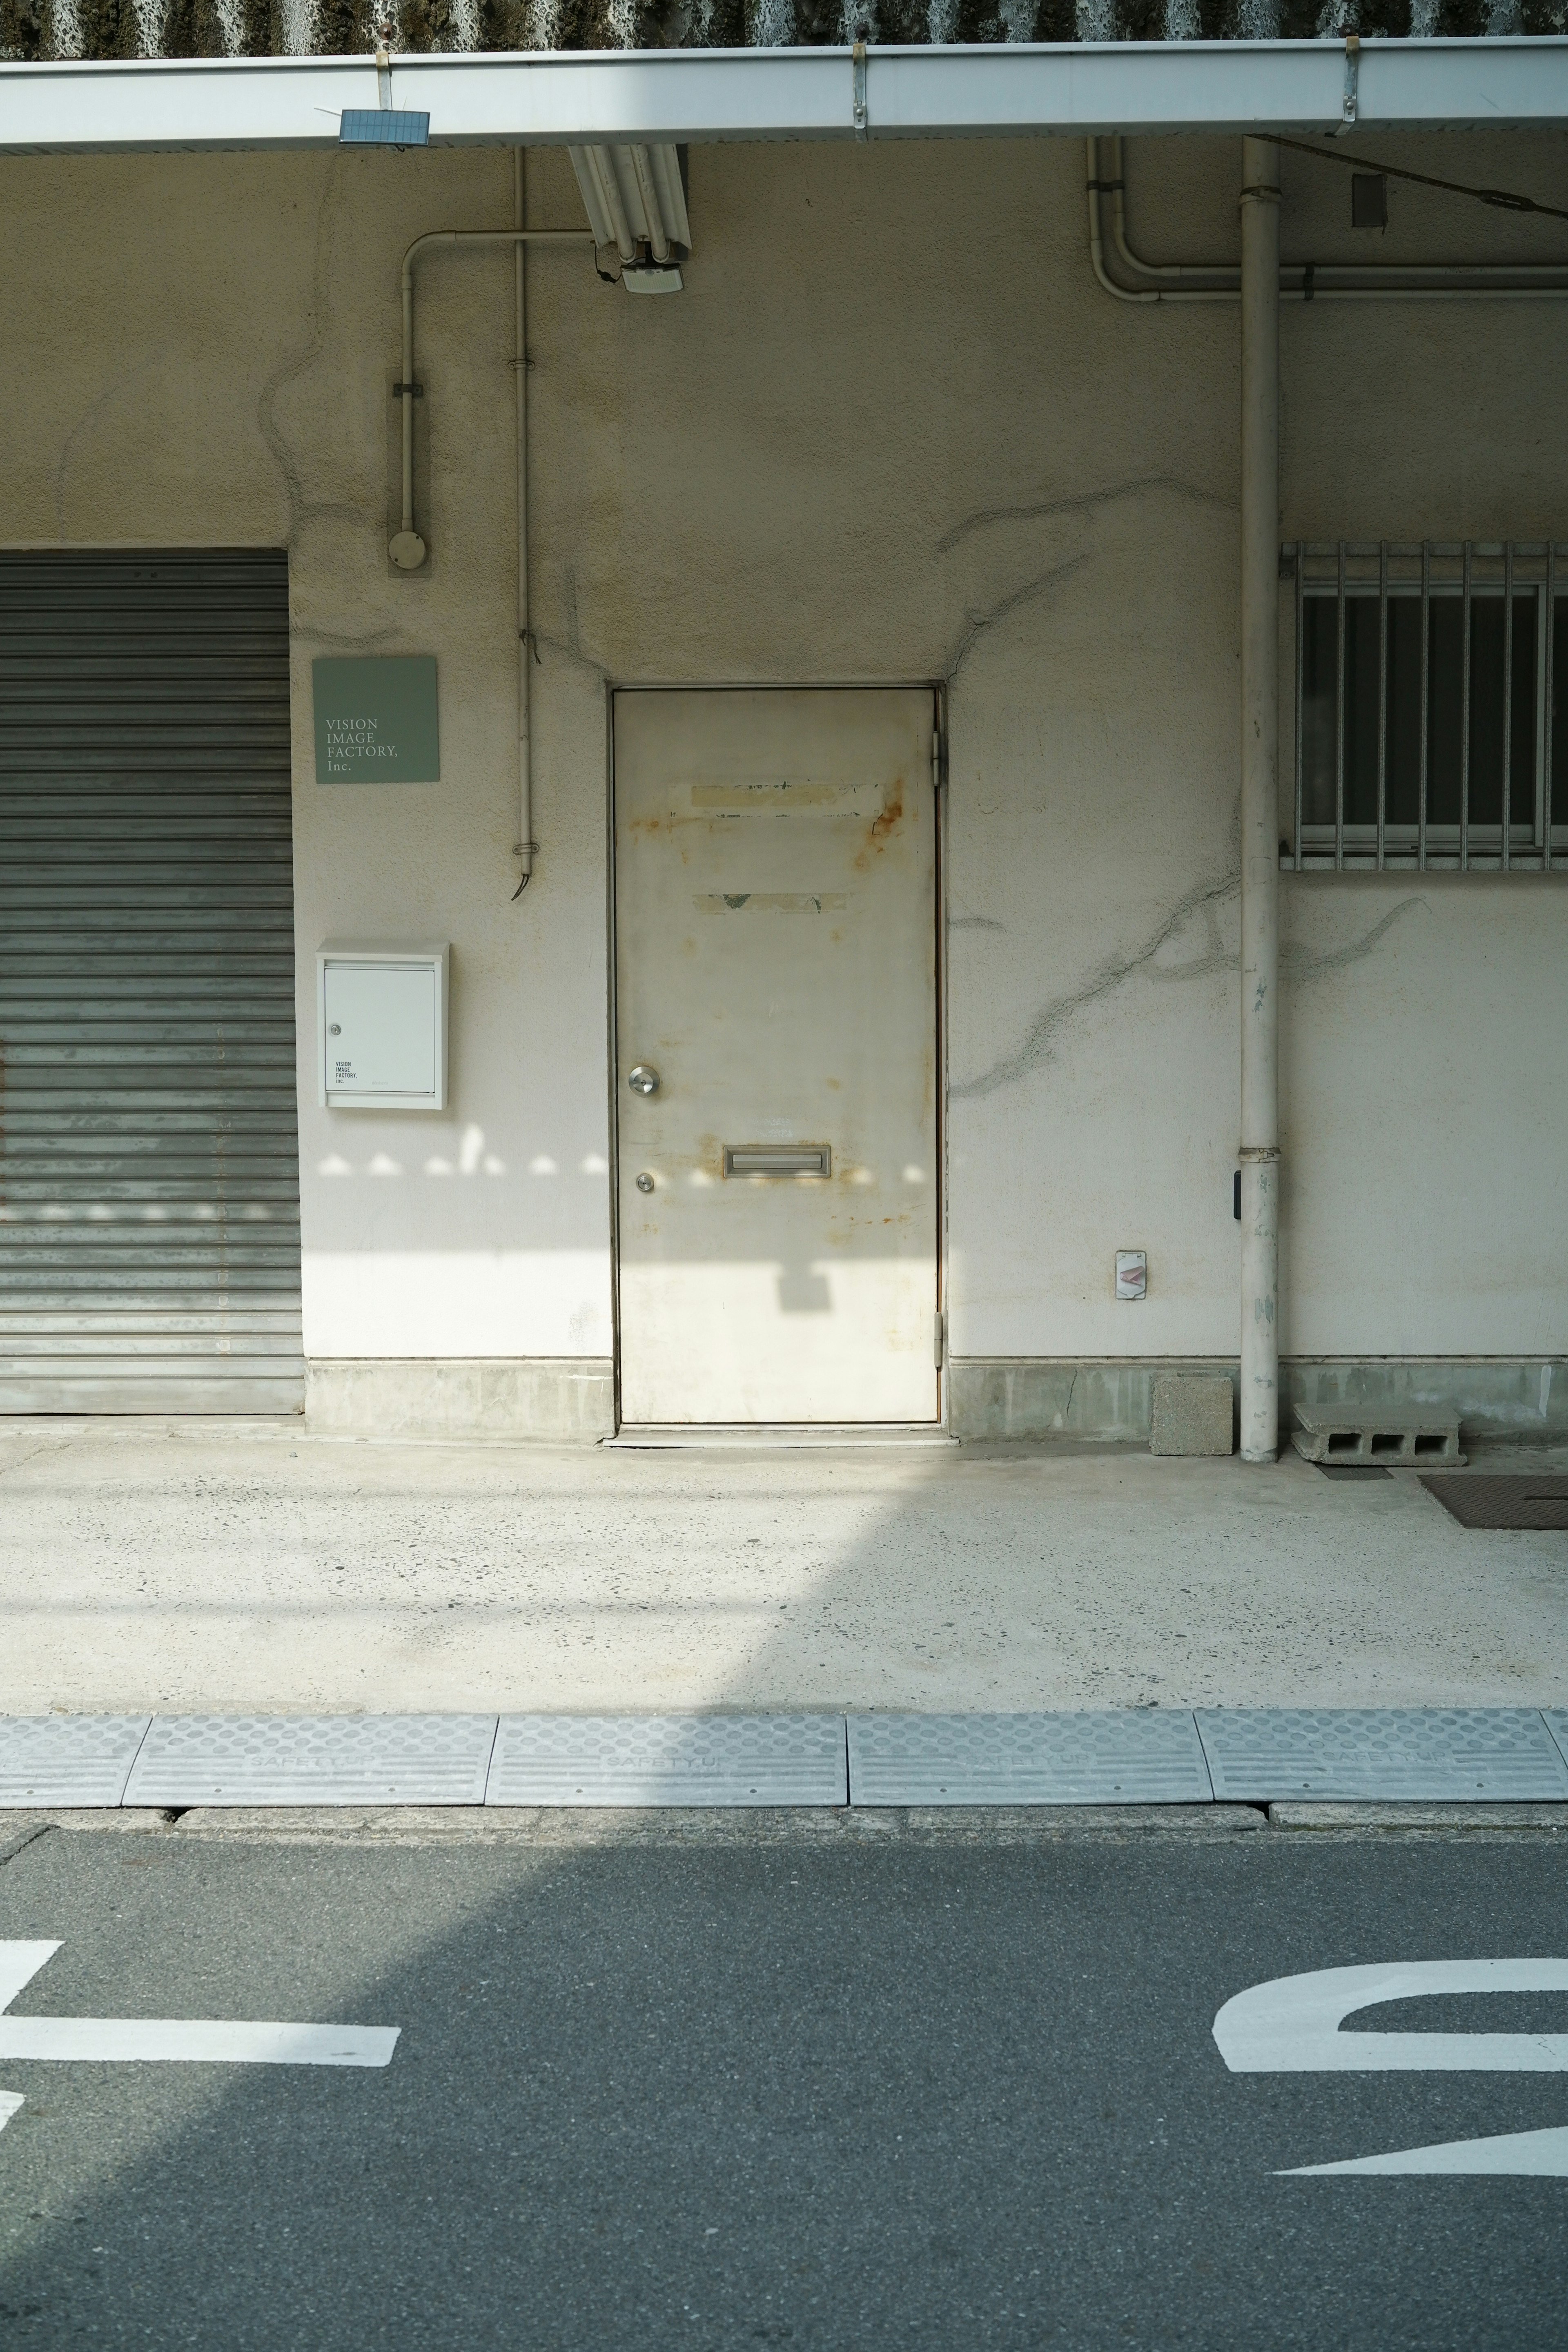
668 1759
1134 1756
67 1759
1482 1755
313 1759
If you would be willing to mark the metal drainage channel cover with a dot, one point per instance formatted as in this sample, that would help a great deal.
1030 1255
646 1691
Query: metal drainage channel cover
1489 1755
67 1759
1143 1756
1482 1500
296 1759
669 1759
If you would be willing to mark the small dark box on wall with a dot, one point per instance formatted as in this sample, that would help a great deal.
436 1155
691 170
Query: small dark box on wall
1369 200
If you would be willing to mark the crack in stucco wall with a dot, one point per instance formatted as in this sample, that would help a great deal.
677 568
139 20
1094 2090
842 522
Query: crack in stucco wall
1081 502
304 511
1044 584
1078 506
123 383
1300 967
1038 1045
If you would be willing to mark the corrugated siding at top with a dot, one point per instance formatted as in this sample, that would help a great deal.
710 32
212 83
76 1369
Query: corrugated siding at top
149 1157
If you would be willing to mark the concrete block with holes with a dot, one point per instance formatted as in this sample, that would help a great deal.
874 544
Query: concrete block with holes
1193 1413
1354 1433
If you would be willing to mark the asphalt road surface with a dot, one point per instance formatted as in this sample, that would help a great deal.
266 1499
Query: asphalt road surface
821 2092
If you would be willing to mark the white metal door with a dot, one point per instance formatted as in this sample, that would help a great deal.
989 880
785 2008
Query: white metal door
775 926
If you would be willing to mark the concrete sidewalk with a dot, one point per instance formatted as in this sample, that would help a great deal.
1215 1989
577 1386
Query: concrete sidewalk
195 1567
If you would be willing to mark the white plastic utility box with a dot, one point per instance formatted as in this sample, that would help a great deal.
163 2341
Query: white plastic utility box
381 1019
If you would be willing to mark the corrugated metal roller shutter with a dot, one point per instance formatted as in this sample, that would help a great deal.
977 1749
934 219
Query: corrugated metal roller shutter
149 1163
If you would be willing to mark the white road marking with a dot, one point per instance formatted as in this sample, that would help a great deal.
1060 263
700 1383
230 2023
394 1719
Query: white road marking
203 2040
1537 2155
1290 2025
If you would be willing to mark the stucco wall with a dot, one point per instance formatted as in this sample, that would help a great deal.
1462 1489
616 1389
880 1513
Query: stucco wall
892 430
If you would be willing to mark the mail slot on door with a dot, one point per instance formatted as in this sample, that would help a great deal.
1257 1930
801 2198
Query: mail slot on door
778 1159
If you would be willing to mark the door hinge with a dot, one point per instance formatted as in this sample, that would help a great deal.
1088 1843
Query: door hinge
937 762
939 1339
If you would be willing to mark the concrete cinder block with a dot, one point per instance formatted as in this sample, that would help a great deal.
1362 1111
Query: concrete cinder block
1193 1413
1370 1433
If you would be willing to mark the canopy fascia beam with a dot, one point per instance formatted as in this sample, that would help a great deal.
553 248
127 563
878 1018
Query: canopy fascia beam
671 97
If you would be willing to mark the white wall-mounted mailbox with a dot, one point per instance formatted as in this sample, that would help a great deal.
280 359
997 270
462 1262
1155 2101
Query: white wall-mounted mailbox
381 1015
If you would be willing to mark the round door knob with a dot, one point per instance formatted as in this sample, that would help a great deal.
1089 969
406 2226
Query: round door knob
643 1080
645 1183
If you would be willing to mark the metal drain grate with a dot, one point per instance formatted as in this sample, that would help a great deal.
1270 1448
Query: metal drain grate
322 1759
1480 1500
1121 1757
67 1759
668 1759
1487 1754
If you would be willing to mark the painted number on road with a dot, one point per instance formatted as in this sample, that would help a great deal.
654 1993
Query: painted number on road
1292 2025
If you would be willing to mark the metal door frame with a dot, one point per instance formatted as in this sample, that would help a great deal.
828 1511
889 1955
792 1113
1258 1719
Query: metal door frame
937 689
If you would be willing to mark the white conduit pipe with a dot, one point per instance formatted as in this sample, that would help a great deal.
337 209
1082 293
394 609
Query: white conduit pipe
407 548
1325 281
1260 293
526 844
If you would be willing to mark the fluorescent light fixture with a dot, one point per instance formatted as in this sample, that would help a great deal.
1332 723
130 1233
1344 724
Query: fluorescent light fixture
635 198
651 278
383 126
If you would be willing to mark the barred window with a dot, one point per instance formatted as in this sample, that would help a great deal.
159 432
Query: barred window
1430 681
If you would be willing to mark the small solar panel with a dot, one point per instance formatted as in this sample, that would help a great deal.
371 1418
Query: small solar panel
383 126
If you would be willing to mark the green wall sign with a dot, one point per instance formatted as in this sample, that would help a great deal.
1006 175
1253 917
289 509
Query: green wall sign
376 720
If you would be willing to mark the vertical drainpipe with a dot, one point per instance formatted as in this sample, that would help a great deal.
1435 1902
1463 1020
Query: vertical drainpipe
526 844
1259 802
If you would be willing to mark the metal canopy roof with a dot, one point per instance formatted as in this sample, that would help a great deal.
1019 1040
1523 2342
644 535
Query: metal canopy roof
662 97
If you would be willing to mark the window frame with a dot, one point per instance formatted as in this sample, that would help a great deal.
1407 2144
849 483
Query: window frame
1466 572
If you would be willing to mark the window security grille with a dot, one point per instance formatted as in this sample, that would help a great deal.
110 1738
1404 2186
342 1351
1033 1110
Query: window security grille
1431 706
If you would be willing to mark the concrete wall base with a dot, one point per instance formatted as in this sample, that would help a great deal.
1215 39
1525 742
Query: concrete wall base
570 1399
554 1400
1505 1399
